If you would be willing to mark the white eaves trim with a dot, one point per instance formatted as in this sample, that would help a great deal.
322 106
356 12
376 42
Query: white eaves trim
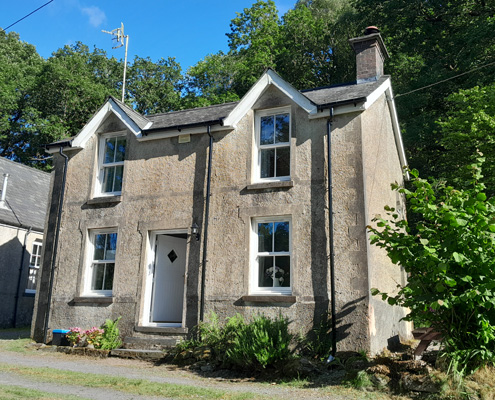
270 77
395 126
169 133
108 108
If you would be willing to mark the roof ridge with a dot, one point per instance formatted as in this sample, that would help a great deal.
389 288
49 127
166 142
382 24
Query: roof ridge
25 166
191 109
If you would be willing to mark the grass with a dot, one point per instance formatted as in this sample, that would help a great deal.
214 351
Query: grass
133 386
20 393
17 345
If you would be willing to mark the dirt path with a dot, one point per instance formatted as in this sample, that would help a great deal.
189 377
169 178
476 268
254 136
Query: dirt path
134 369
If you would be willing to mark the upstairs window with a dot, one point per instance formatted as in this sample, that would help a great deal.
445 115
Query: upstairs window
103 246
34 266
112 155
273 132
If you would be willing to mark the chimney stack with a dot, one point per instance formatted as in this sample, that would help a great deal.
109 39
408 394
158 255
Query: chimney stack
370 55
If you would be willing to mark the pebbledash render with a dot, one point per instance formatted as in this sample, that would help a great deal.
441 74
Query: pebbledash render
142 238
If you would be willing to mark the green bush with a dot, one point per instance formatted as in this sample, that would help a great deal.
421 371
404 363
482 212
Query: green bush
449 256
252 345
260 343
317 344
111 336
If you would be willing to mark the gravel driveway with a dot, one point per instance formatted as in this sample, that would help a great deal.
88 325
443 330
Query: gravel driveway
135 369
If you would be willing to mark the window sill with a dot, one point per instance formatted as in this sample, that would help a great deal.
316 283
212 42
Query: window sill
160 329
270 185
269 299
94 299
105 200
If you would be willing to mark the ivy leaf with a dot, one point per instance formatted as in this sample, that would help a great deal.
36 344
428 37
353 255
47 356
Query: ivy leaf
459 258
440 288
481 197
450 282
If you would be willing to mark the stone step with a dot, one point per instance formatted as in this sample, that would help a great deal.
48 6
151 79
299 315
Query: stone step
147 355
143 343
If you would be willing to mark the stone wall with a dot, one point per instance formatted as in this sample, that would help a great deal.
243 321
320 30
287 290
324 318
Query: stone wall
164 189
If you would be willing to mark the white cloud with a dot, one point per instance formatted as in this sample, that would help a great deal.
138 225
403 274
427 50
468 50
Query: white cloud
96 16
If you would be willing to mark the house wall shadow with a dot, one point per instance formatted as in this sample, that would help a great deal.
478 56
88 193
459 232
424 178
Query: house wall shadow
10 259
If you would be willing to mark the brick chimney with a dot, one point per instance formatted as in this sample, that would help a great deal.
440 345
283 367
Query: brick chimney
370 55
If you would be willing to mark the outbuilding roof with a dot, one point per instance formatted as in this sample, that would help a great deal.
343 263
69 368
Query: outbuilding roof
26 195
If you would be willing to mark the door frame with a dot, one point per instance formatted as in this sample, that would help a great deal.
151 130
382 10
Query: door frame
149 275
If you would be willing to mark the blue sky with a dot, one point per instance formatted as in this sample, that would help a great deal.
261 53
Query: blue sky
186 30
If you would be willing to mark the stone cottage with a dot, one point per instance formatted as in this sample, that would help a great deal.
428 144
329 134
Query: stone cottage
257 206
23 203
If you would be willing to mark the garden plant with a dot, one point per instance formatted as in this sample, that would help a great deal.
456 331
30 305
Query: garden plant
449 256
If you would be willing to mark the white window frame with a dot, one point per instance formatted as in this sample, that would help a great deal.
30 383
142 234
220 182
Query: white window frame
34 262
256 170
254 263
102 165
90 251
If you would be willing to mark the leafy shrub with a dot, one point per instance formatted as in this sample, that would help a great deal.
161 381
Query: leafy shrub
317 344
450 257
260 343
111 336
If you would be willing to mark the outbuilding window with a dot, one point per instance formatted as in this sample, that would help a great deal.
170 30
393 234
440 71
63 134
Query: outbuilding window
271 266
34 266
273 133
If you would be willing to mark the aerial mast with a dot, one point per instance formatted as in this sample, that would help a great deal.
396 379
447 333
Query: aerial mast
119 38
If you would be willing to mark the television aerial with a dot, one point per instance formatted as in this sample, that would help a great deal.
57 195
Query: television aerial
119 37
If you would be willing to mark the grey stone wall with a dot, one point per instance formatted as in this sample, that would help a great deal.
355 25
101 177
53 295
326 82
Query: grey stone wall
164 189
381 168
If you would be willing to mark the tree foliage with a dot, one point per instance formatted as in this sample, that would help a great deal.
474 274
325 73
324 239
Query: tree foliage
154 86
449 256
467 130
430 41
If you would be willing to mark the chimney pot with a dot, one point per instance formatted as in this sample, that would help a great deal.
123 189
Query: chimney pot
371 29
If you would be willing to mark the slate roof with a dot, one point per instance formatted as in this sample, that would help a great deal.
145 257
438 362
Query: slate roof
138 119
27 195
194 116
176 120
343 93
325 96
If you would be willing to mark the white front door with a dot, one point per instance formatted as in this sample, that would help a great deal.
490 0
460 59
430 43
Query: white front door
168 280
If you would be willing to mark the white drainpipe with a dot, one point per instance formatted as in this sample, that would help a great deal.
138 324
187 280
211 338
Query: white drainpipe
4 191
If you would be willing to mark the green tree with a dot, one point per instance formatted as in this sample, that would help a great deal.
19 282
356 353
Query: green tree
211 81
449 256
315 50
430 41
467 130
154 87
19 66
254 40
68 90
